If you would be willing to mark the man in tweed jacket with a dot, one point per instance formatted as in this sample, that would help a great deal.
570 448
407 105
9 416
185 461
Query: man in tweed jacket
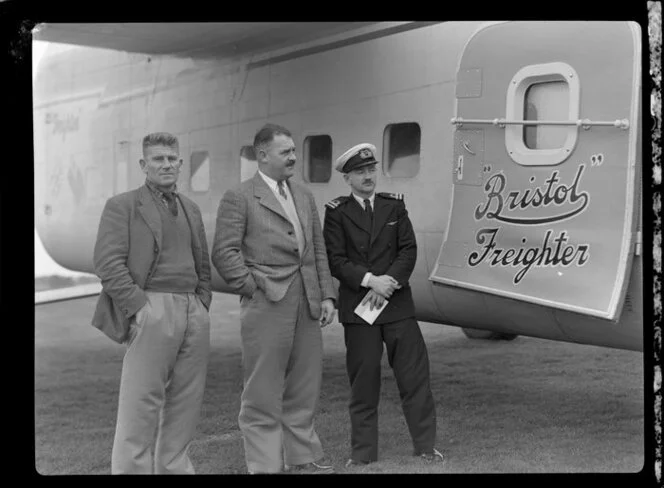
151 255
269 248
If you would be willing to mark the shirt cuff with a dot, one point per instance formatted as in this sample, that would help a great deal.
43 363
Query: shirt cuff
365 280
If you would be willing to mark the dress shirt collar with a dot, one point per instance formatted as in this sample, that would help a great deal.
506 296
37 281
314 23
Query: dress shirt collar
158 192
360 200
272 183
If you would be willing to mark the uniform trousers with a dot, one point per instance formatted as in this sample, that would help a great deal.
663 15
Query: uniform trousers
408 358
282 358
162 385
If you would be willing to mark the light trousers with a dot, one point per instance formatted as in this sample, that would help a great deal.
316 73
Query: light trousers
162 385
282 358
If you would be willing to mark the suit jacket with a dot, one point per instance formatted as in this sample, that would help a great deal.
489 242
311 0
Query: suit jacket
126 253
255 244
354 248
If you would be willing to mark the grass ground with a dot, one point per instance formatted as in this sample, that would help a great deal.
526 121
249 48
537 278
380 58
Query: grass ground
525 406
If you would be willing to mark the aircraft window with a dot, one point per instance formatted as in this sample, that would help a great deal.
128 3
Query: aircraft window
248 163
548 92
121 167
199 180
401 150
318 158
120 177
546 101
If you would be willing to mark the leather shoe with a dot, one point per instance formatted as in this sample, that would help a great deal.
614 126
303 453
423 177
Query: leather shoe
351 463
432 457
310 468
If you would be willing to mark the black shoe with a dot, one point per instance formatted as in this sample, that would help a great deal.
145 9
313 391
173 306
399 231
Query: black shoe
431 457
310 468
351 463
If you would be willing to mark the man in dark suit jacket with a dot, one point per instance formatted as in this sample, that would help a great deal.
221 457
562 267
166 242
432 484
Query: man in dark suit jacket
151 255
372 251
269 248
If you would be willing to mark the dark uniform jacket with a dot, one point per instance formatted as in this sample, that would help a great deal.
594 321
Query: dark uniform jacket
355 248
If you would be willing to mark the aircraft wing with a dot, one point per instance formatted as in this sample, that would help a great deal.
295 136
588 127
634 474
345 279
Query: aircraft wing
69 293
206 40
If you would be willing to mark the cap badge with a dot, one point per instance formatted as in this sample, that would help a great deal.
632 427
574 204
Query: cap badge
365 154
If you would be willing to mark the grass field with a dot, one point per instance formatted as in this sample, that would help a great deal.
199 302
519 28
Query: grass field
525 406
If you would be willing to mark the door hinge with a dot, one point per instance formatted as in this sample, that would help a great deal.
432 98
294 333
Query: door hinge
637 243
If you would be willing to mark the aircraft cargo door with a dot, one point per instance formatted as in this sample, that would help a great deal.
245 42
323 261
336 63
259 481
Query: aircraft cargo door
545 165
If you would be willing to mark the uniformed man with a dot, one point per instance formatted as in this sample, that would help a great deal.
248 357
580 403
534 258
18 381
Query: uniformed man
372 251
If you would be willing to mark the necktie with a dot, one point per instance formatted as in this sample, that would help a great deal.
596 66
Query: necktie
171 203
368 210
282 192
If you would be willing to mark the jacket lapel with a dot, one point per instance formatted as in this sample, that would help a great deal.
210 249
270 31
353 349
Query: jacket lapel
266 196
189 213
300 202
356 214
150 213
382 210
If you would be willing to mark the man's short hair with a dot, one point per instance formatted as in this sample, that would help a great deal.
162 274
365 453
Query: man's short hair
267 133
160 139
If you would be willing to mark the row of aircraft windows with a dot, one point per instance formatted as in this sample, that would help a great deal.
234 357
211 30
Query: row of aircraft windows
401 153
541 100
401 157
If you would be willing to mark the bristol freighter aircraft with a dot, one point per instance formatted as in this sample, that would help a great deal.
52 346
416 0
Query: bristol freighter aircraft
516 145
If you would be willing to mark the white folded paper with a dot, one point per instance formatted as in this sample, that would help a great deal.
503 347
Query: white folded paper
368 315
